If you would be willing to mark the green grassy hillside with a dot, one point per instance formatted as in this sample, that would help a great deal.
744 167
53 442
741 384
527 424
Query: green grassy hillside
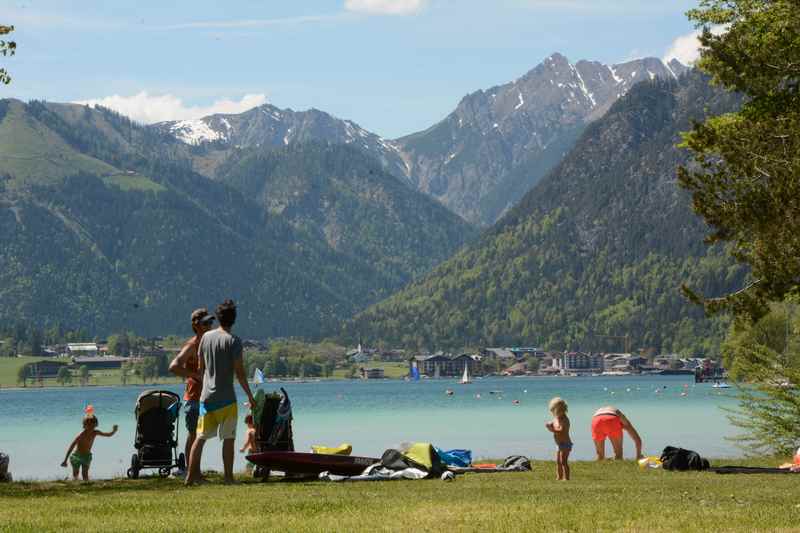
31 154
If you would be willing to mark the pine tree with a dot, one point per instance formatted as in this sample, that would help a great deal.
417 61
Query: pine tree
747 182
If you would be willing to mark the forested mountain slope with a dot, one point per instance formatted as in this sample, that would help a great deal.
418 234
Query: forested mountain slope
339 195
599 247
104 225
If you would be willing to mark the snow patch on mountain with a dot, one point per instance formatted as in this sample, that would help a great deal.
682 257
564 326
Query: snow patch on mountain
196 132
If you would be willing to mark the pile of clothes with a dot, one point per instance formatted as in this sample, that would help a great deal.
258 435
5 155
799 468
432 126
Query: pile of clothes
422 460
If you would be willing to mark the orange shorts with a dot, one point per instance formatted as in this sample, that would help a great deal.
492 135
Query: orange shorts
606 426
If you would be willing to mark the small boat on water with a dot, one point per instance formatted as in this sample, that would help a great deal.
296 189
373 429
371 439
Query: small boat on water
465 379
721 385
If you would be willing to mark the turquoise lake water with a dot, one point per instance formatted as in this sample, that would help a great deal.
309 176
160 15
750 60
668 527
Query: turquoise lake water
37 425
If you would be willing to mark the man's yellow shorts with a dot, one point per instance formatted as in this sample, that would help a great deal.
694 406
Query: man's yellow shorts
220 421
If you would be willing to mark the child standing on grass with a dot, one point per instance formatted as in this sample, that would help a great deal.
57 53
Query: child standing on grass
559 427
82 458
250 436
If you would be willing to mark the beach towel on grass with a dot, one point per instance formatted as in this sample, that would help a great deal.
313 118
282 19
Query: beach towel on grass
513 463
378 472
752 470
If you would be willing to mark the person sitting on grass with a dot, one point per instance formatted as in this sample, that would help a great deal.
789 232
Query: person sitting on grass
608 423
250 437
81 459
559 427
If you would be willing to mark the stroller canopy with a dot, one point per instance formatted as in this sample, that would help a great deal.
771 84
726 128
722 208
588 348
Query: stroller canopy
157 399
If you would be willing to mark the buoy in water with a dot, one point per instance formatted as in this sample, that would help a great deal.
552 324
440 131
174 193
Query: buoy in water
515 402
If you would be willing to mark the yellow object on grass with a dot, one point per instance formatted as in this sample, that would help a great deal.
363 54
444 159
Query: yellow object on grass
342 449
650 461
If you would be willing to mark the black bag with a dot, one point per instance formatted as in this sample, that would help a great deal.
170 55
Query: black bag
682 460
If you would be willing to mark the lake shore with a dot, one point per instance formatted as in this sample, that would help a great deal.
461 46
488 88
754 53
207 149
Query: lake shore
493 417
608 496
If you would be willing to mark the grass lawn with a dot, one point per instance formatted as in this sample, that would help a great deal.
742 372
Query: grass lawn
601 497
9 366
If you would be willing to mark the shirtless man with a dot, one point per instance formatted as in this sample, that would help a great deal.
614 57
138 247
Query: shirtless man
187 365
82 458
608 422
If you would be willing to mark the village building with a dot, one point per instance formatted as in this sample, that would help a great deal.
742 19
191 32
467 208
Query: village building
82 349
440 365
372 373
100 363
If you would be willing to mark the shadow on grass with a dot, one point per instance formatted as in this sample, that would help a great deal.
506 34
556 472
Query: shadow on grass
35 489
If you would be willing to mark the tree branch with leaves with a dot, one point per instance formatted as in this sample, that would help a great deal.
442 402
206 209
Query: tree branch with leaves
7 48
745 180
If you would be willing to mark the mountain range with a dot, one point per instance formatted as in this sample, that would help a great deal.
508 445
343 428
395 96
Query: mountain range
596 250
105 225
308 220
479 161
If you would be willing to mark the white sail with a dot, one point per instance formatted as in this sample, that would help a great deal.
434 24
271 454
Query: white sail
465 378
436 372
258 376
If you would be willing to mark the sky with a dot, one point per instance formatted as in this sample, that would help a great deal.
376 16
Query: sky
392 66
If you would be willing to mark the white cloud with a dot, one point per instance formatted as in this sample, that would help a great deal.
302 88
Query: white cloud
385 7
151 108
251 23
686 48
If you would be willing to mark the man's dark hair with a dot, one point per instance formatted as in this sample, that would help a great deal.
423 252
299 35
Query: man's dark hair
226 313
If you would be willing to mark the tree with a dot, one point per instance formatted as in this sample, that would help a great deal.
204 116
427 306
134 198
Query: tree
125 371
84 375
7 48
747 179
64 376
23 373
765 356
36 342
148 368
119 345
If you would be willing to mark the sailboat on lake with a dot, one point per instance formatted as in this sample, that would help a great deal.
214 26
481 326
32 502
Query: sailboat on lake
465 379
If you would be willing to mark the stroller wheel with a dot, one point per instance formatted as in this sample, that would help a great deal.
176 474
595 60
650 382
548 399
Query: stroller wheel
182 462
136 465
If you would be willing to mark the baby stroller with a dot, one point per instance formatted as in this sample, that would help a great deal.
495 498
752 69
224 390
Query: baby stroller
272 415
157 433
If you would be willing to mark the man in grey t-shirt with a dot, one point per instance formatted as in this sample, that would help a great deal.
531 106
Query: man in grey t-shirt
220 354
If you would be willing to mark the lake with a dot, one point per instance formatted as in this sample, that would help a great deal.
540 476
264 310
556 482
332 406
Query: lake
37 425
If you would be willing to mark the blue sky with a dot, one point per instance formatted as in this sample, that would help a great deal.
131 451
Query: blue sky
393 66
